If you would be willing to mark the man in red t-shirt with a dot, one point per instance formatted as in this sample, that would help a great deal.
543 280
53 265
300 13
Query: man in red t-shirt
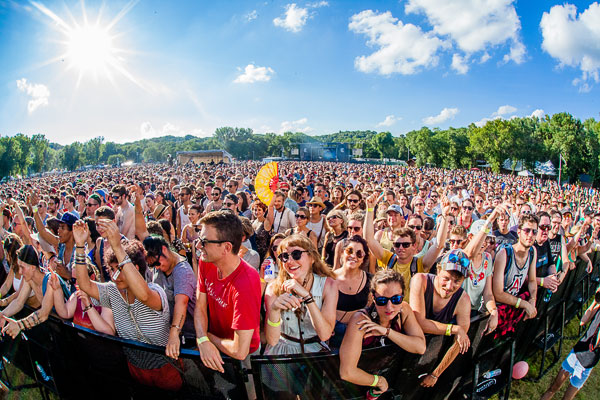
227 314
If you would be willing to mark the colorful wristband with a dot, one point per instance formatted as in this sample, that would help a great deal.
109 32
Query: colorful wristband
542 282
375 380
449 330
201 340
518 303
273 324
370 209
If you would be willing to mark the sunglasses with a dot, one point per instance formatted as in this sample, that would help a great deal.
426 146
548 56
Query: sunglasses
405 245
354 228
92 204
544 227
415 227
453 208
350 251
478 201
301 216
115 197
215 194
419 204
490 240
382 300
295 254
274 248
461 260
203 241
468 208
529 230
353 200
332 217
455 241
229 204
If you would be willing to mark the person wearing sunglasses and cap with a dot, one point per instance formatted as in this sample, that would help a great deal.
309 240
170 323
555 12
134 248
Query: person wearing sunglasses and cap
514 266
437 301
388 320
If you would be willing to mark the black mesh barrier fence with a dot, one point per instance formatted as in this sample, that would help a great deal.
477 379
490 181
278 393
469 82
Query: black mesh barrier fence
75 362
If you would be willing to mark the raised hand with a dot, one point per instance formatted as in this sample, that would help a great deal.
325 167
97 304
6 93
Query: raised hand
81 232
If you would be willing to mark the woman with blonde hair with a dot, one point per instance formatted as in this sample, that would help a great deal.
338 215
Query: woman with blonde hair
300 304
337 224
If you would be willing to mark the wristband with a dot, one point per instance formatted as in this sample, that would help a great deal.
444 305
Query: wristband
122 263
87 308
375 380
542 282
518 303
370 209
449 330
273 324
176 327
201 340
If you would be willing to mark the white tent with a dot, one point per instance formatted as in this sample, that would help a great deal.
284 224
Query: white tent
525 173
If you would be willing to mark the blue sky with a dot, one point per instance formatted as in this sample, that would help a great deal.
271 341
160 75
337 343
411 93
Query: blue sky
145 68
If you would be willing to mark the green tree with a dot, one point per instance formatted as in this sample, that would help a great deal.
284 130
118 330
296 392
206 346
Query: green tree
384 143
72 156
39 153
23 159
92 149
115 159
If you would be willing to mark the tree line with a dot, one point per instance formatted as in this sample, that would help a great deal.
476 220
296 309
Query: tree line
527 139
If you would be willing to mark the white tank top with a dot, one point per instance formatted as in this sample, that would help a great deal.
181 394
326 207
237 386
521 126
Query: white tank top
17 285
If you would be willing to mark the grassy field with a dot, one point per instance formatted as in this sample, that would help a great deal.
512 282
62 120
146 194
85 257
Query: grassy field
520 389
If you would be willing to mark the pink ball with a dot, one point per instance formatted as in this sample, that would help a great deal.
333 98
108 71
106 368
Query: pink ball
520 370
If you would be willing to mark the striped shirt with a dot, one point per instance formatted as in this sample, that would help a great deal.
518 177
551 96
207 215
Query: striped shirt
153 324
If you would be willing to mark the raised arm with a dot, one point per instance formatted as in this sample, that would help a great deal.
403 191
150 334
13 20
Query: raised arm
135 281
141 231
434 252
19 212
369 230
80 235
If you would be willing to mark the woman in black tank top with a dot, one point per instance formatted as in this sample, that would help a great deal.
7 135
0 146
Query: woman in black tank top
353 285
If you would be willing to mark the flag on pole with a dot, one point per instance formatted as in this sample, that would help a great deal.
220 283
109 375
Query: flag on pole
563 159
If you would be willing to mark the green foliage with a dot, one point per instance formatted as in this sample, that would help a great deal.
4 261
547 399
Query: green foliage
115 159
72 156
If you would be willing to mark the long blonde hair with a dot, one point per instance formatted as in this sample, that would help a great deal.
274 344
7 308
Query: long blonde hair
318 267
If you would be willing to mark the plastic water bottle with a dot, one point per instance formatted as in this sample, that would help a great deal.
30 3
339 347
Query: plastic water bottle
491 374
42 372
269 270
371 395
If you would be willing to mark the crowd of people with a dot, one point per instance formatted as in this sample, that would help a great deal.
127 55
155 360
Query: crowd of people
344 256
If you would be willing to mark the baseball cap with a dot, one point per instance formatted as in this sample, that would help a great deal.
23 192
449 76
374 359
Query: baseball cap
456 260
395 208
68 218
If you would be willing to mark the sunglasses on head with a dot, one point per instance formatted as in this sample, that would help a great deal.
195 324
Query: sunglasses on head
301 216
459 259
382 300
358 253
406 245
295 254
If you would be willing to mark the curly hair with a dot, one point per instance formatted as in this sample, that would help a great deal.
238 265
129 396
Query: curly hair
134 250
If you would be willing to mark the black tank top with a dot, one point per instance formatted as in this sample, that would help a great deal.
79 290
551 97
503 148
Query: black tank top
445 315
351 302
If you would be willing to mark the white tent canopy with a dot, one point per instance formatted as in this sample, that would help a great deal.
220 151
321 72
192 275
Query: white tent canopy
525 173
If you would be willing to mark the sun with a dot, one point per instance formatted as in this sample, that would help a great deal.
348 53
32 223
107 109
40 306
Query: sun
89 46
90 49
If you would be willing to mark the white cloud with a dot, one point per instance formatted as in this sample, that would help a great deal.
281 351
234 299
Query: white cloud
503 110
38 93
295 18
147 130
388 121
539 113
474 25
484 57
295 126
484 121
401 48
443 116
459 63
252 15
573 40
253 74
318 4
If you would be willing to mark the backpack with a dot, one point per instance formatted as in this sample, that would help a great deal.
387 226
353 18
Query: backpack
413 264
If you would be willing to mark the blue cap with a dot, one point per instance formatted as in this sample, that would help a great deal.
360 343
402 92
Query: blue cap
68 218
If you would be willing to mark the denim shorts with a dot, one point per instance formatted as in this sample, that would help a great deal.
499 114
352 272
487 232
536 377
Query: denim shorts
578 373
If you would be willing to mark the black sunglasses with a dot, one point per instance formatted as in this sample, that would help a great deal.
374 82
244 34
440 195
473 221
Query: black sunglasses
382 300
228 204
301 216
354 228
415 227
203 241
295 254
406 245
353 200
